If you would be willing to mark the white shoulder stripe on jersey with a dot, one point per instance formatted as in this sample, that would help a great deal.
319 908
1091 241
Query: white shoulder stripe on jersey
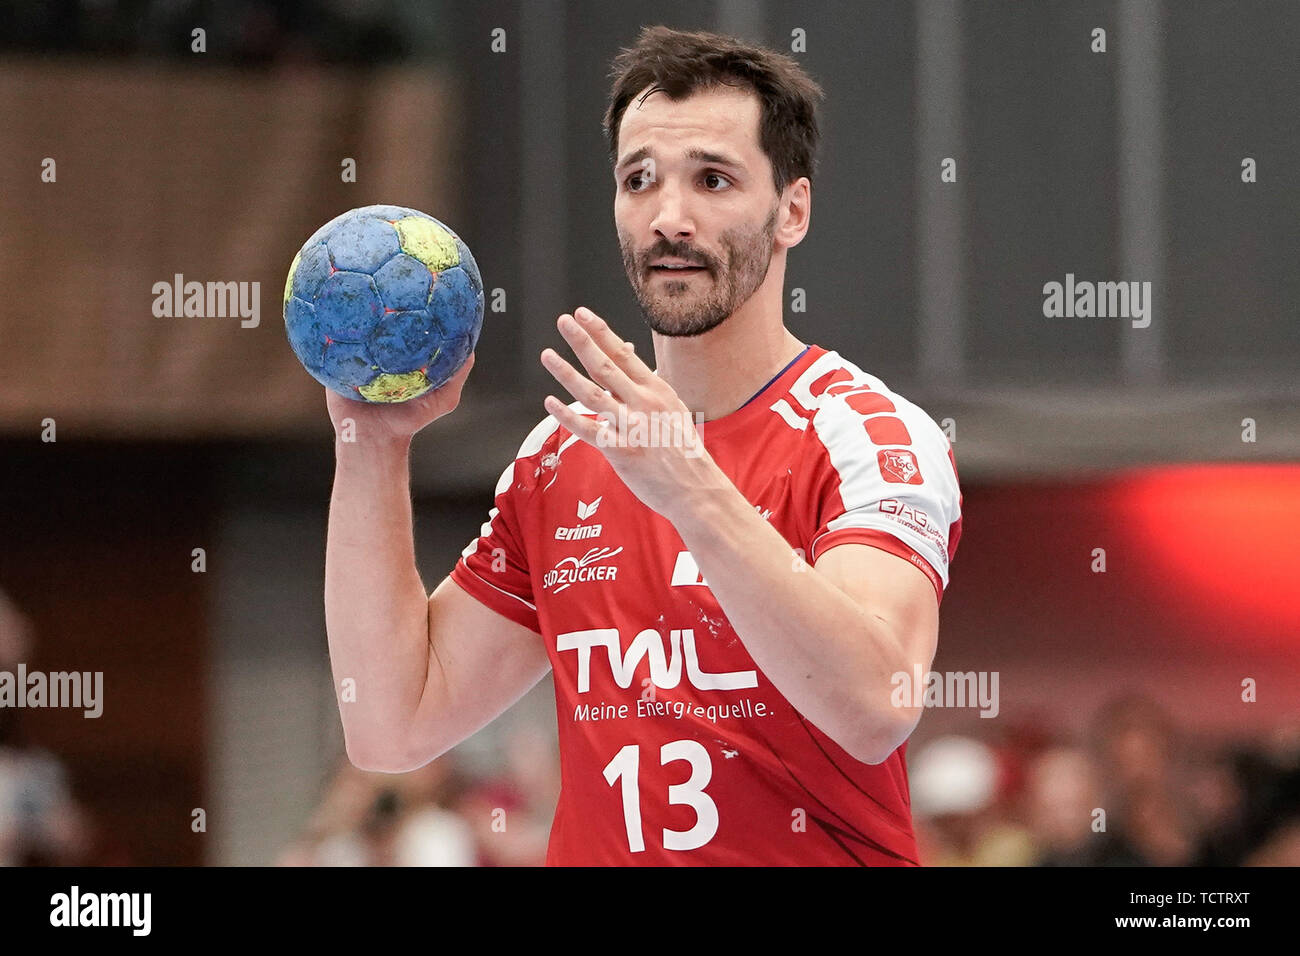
567 442
862 488
507 476
789 416
537 437
506 593
801 390
486 529
547 427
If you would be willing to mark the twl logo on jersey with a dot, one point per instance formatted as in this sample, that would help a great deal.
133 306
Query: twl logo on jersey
580 532
899 466
665 667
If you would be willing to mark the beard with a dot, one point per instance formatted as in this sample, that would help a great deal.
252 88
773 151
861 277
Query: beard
694 305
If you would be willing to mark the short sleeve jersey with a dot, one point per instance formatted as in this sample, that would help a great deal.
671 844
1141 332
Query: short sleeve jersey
675 748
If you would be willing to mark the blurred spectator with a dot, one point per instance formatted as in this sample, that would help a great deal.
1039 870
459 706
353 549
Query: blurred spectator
438 815
513 811
1062 794
1029 798
1032 798
40 823
375 819
1135 744
1155 829
1141 764
1218 807
955 785
1281 848
429 833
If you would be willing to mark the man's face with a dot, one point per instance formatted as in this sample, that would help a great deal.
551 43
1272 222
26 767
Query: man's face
695 207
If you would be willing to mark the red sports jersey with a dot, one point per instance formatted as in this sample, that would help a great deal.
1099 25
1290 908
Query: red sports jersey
675 748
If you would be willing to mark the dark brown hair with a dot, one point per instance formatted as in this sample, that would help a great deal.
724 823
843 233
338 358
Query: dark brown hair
680 63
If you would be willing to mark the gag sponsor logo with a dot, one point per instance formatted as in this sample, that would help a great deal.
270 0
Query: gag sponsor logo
892 506
917 520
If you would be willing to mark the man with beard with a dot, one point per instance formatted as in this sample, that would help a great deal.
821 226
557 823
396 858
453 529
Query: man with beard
726 577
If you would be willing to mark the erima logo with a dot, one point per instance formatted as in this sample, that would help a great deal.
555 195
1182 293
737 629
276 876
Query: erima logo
665 669
580 532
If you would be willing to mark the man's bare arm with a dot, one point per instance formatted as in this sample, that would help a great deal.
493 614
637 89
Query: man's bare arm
426 671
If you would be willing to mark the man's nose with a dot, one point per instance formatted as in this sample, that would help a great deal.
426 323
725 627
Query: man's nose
673 219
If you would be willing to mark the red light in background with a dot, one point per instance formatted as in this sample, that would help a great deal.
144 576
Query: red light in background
1218 546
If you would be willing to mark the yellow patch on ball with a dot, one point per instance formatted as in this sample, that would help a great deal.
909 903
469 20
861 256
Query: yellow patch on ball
428 242
395 386
288 283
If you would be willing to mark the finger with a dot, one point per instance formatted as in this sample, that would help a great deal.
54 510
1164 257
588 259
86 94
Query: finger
578 385
621 351
577 423
449 391
458 380
602 368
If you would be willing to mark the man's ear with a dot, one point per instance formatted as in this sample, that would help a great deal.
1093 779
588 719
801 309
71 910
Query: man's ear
796 212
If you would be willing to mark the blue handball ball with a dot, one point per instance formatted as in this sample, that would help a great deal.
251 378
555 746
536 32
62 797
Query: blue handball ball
383 304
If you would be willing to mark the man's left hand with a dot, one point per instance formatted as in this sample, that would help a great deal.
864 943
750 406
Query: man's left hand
645 431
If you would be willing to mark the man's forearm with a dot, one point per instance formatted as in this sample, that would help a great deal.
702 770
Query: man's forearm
376 609
831 659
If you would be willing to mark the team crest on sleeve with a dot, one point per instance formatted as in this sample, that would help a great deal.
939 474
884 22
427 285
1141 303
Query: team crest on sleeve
899 466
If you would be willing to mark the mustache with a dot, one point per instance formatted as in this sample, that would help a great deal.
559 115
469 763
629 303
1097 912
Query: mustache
670 250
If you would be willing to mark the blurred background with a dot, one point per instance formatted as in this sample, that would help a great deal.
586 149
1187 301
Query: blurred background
1164 688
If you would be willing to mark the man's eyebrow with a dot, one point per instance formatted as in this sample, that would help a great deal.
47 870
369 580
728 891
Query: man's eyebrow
698 155
634 157
706 156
